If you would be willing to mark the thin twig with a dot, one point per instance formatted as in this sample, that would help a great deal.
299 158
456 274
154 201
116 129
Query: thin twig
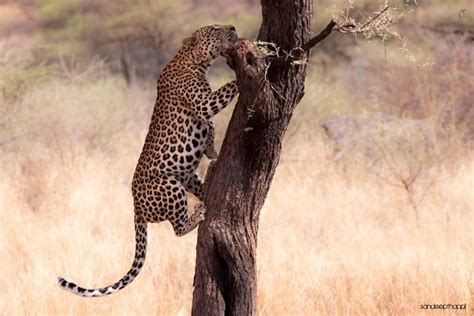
376 17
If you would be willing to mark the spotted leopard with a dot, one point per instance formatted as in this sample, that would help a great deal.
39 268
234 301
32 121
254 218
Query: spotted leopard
180 133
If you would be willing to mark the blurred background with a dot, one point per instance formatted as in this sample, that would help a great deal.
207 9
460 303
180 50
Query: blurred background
371 208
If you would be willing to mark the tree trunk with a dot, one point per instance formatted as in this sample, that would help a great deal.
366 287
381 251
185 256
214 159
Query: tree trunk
225 277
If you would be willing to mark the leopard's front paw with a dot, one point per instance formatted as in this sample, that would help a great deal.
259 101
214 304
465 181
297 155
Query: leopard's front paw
199 213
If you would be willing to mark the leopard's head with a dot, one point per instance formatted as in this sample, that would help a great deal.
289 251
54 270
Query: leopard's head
206 42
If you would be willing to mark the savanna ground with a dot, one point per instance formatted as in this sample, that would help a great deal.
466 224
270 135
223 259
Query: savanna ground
371 208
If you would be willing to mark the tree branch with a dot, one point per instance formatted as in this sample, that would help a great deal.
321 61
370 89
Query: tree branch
297 53
378 24
318 38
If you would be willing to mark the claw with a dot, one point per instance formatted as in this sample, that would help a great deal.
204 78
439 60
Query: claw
211 154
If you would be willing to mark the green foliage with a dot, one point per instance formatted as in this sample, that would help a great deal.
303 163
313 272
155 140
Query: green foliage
141 31
138 19
56 13
20 78
19 73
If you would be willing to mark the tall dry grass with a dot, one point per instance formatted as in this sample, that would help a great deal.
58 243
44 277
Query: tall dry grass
334 237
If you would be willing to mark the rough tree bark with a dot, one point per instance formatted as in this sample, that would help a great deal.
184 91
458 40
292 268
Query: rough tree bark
225 277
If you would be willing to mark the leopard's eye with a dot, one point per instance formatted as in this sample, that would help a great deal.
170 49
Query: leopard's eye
215 28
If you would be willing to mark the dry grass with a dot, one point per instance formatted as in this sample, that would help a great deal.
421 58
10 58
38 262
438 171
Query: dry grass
338 234
333 239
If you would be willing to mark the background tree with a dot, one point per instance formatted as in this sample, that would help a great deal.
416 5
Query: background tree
270 74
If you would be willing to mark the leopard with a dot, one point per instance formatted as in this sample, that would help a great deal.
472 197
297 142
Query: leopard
180 134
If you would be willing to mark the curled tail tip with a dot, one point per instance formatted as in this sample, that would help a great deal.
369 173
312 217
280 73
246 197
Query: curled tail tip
61 281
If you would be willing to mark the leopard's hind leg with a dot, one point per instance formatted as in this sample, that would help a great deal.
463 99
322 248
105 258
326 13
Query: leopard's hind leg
210 149
164 198
197 186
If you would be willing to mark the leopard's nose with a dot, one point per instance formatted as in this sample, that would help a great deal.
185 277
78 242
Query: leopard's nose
232 28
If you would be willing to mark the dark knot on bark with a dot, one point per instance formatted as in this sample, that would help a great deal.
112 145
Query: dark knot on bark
247 60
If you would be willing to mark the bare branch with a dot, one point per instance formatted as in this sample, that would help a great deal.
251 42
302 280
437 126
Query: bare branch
321 36
376 25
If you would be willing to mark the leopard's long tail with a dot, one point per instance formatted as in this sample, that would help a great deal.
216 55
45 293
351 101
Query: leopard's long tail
140 254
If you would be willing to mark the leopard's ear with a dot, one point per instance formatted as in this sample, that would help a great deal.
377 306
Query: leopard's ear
190 42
